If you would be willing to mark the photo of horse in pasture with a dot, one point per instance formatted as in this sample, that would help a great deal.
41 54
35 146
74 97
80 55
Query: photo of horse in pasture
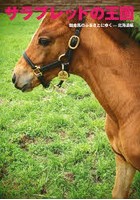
57 145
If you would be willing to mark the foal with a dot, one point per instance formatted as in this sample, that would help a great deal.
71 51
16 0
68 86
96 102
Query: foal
109 61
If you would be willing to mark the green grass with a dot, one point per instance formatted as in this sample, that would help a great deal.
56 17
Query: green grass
52 144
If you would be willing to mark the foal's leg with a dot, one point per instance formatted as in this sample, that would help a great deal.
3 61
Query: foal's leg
124 176
124 171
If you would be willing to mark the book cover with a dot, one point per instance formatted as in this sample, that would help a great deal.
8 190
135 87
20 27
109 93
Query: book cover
70 99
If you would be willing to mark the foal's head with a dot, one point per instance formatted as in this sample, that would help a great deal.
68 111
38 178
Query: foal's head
48 43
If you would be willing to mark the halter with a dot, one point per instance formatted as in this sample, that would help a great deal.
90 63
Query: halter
63 61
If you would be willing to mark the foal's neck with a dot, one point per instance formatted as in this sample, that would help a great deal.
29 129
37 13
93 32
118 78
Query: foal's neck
111 71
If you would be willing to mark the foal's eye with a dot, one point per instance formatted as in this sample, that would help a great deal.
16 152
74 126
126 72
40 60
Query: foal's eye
44 41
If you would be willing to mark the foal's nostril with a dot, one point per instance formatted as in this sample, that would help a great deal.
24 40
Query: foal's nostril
14 78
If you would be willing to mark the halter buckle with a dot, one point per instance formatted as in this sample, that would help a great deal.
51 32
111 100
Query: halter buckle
70 42
37 71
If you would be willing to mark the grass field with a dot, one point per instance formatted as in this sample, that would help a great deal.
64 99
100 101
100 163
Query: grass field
52 144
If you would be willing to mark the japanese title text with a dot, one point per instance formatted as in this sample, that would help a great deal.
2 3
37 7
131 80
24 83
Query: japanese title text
99 13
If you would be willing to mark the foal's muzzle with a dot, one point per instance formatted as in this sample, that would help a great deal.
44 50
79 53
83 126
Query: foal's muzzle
25 87
14 79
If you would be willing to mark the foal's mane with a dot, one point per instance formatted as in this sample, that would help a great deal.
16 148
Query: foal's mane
132 32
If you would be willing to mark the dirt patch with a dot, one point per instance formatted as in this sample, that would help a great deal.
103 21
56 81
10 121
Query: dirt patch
95 176
62 134
49 140
69 176
43 190
25 140
90 136
1 101
3 171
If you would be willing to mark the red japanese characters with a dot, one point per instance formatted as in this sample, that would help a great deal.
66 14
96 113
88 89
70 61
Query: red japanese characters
99 13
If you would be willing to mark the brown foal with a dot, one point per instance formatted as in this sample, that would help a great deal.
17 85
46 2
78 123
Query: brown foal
109 61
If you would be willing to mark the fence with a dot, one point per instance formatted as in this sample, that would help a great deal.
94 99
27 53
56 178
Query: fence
65 4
